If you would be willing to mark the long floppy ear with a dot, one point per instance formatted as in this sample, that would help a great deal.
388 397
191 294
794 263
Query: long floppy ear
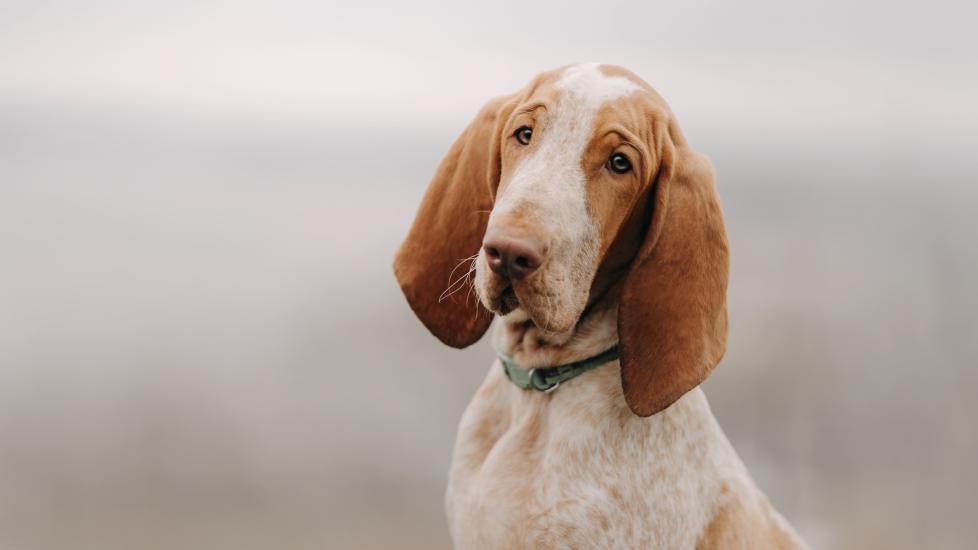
672 319
432 265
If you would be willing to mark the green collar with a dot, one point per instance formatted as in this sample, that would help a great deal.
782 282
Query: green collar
547 379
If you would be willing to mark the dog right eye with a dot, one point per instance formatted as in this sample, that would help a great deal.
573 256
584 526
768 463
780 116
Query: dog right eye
524 134
619 163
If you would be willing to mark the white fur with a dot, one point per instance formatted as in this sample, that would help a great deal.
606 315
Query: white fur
588 85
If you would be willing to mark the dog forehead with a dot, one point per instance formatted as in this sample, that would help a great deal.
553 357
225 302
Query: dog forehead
588 85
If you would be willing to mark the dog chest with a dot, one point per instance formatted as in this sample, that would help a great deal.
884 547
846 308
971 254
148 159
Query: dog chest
524 478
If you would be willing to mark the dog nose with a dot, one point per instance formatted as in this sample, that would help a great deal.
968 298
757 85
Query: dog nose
512 256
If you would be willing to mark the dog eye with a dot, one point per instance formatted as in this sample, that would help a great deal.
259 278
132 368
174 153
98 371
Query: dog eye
619 163
524 134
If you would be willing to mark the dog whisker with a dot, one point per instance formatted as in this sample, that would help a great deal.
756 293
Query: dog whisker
459 284
459 264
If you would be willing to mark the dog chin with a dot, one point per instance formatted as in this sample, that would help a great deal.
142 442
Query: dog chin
551 321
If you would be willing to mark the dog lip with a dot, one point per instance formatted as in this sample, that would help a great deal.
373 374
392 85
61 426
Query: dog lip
508 299
502 301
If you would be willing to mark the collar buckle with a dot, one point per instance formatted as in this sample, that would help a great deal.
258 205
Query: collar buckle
538 382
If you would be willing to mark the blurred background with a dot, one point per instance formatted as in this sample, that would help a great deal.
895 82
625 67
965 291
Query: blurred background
202 344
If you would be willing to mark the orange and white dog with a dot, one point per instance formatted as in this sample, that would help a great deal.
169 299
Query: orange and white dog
592 228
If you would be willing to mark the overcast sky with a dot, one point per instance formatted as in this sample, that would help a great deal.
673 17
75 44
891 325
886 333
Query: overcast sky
873 70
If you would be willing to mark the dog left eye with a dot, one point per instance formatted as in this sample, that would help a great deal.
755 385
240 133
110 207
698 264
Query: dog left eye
619 163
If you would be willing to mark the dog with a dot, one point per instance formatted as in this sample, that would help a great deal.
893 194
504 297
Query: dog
576 212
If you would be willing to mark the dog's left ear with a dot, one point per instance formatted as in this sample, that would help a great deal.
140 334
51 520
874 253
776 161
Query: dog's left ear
672 320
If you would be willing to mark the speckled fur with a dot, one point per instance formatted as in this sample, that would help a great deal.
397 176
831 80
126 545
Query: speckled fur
576 469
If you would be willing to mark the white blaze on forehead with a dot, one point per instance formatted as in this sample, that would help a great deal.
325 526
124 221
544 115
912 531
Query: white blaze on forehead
590 86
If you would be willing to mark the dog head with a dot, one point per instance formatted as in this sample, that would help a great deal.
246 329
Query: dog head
579 183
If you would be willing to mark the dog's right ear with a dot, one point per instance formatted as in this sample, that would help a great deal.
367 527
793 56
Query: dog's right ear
434 259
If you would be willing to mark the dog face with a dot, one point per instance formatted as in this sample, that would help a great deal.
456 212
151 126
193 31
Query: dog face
575 156
580 183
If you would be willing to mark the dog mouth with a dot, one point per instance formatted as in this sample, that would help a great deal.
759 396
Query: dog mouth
508 300
501 297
